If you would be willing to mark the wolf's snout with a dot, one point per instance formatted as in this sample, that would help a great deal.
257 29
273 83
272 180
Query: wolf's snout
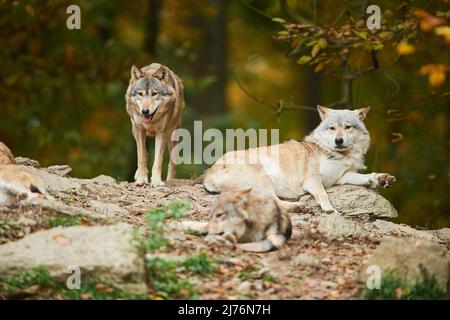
145 112
339 141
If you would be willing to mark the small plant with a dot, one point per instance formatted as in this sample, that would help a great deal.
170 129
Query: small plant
166 282
201 264
63 221
393 288
193 232
38 281
155 218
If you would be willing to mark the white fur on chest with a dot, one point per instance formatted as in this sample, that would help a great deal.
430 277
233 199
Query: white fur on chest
332 169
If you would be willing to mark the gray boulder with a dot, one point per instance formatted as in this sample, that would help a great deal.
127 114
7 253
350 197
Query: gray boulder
409 259
103 253
352 200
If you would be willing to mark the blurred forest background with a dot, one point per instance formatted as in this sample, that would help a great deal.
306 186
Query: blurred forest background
244 63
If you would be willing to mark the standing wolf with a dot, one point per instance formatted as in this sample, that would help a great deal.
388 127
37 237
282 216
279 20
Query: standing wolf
155 103
331 155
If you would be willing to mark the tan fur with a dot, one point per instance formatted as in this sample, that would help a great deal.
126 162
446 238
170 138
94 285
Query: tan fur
6 156
166 119
291 169
254 221
17 183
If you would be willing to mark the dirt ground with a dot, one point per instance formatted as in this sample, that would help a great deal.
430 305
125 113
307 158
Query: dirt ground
309 267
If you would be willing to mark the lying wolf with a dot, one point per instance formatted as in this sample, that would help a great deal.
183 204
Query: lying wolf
155 103
331 155
256 223
16 182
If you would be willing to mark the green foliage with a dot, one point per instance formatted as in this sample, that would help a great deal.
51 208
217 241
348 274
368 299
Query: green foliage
193 232
200 264
38 281
167 284
393 288
62 220
155 219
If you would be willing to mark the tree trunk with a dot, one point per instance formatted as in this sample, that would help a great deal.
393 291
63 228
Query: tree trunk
211 61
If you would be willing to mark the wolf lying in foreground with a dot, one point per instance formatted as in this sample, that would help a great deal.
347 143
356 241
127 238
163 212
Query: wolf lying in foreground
155 103
16 182
331 155
256 223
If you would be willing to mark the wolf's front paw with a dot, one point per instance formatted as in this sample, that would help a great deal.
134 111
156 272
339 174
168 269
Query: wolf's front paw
330 210
141 177
156 183
384 180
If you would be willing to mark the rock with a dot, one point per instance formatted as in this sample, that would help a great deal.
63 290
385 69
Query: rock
27 162
56 183
244 286
354 200
335 226
27 222
60 170
107 208
102 179
103 253
165 256
408 259
390 228
442 234
305 260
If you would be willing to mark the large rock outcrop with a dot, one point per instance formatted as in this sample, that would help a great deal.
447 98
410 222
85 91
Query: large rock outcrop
103 253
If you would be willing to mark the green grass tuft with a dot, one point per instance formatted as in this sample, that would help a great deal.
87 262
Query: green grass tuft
393 288
201 264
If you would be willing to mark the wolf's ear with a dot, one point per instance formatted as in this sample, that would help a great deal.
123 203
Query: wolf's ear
323 112
161 73
242 196
362 113
136 73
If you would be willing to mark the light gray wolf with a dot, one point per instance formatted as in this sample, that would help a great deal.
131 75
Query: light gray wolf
253 221
331 155
155 103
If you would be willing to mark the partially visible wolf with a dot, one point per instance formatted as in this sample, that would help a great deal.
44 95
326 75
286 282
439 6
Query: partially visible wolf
6 156
255 222
155 103
16 182
331 155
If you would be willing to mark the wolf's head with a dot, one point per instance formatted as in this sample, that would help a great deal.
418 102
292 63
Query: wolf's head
17 183
342 130
148 92
229 216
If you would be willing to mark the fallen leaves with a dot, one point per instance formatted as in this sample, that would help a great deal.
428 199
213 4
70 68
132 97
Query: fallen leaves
61 239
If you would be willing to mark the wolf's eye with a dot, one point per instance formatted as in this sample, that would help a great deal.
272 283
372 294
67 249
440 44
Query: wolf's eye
348 127
154 94
332 128
34 189
140 93
220 214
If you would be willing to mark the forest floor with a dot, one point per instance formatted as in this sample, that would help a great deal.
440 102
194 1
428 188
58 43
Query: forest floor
311 266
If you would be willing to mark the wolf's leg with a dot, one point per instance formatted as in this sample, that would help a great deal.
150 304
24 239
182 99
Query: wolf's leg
171 169
314 186
373 180
160 144
141 175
